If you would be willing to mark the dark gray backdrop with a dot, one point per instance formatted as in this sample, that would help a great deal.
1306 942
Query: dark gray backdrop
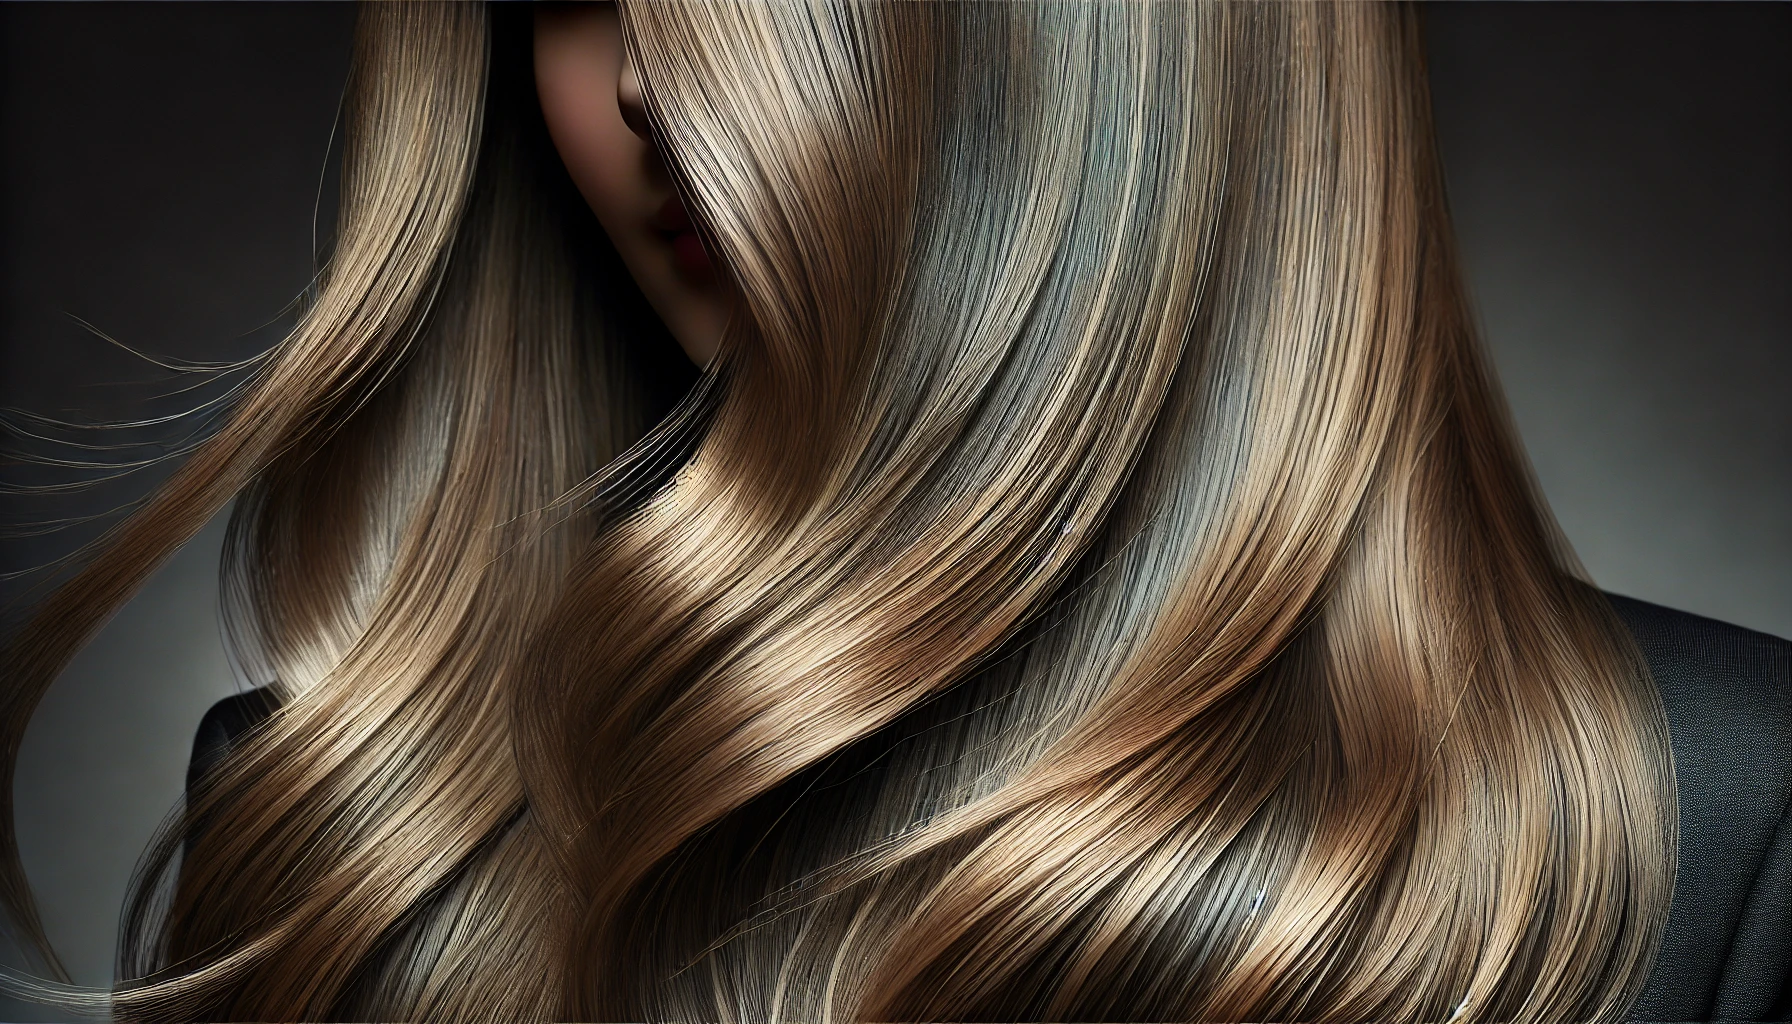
1618 172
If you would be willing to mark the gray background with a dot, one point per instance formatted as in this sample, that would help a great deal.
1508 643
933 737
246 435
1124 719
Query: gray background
1618 172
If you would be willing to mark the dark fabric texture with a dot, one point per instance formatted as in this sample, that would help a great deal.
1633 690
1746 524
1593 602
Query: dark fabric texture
1727 955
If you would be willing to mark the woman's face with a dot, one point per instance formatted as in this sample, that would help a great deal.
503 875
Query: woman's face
592 102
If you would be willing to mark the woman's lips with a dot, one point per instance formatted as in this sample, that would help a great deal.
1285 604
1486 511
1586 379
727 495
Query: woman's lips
674 225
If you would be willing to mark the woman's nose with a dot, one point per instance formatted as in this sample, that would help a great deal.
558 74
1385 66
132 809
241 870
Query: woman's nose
628 98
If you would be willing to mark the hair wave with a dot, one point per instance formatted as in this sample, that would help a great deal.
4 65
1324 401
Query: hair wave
1097 581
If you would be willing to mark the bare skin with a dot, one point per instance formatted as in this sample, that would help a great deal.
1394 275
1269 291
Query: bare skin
591 99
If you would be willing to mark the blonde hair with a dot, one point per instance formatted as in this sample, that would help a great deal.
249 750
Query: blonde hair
1097 580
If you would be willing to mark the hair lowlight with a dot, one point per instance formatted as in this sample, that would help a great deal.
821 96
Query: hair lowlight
1097 580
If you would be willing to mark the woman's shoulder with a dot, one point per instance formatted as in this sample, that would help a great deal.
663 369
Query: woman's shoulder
223 725
1708 668
1728 696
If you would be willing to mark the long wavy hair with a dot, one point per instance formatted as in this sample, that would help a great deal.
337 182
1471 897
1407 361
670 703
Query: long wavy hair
1097 579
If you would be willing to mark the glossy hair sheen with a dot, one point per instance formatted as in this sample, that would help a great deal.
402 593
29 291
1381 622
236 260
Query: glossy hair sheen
1096 581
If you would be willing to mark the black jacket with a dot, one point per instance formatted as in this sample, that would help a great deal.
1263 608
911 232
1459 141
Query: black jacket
1727 955
1728 692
